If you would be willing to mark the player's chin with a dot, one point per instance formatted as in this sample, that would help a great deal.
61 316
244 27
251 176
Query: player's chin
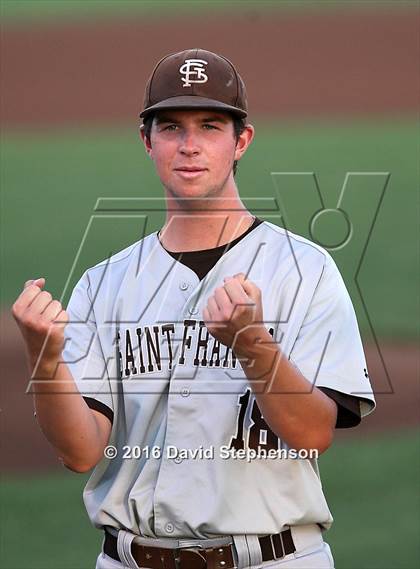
193 187
191 190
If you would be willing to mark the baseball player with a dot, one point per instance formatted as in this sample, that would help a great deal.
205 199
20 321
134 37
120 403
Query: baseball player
200 371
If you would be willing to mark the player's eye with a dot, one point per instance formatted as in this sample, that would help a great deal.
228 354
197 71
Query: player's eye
208 126
171 127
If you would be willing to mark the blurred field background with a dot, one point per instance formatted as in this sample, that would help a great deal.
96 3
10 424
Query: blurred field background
333 89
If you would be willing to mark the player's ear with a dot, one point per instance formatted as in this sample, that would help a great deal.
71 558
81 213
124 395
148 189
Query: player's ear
146 141
244 140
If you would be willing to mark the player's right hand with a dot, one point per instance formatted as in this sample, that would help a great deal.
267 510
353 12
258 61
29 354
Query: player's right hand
41 321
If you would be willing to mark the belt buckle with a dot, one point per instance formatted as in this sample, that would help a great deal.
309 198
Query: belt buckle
190 558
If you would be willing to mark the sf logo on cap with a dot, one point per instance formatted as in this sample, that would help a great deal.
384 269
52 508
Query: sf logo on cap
193 71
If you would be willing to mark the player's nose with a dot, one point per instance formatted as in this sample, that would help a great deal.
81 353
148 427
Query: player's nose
189 143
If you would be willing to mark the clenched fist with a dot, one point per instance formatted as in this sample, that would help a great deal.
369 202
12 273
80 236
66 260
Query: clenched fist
42 321
234 313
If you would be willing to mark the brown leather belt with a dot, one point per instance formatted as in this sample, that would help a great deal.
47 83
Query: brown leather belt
273 547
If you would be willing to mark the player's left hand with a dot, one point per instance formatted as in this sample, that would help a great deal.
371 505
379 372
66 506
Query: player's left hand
234 313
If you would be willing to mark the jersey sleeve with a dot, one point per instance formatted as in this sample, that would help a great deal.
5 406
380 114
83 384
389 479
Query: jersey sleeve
328 349
83 352
348 408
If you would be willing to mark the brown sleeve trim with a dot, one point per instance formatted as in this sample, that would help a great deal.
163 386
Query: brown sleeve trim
101 407
348 408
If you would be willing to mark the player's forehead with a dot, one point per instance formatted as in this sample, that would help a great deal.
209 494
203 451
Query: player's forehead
198 116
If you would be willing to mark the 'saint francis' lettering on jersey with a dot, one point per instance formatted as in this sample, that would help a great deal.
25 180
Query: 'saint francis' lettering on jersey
151 348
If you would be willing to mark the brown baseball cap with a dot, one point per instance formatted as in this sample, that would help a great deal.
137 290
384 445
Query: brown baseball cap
195 79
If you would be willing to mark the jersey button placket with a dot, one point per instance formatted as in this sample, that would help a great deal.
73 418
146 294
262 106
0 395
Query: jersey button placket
167 472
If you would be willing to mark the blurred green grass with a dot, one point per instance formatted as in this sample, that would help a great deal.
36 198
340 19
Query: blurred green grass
51 182
373 493
371 487
38 11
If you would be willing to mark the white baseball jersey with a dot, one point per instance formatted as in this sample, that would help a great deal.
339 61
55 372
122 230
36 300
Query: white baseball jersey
195 457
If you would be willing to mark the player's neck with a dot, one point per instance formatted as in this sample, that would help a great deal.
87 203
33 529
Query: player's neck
196 231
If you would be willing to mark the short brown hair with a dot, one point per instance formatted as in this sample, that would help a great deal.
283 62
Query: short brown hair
238 128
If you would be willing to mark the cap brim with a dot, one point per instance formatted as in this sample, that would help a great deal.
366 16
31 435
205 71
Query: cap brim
192 102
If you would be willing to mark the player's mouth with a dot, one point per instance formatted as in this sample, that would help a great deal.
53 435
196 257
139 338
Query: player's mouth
190 172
